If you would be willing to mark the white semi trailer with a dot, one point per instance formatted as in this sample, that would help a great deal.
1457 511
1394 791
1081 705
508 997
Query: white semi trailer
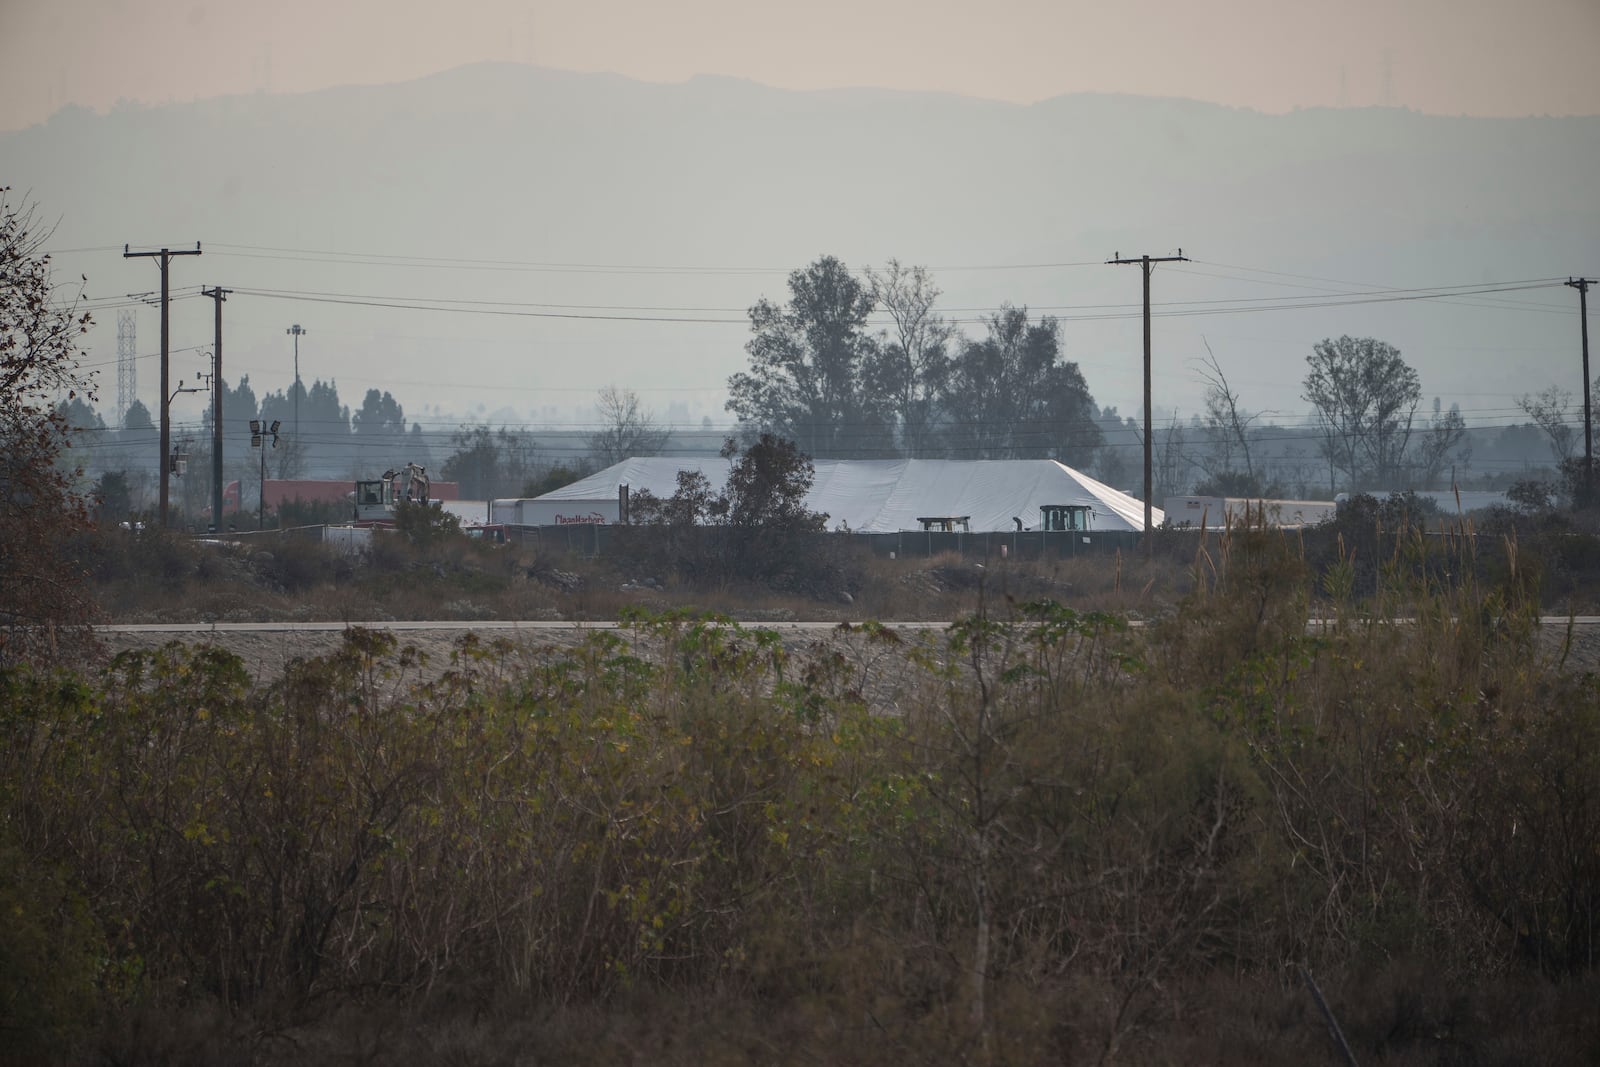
540 512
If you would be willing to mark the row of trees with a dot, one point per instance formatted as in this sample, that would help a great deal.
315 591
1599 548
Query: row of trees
820 376
336 441
319 430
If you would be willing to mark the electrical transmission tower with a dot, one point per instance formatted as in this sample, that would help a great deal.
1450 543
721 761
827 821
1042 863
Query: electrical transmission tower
127 367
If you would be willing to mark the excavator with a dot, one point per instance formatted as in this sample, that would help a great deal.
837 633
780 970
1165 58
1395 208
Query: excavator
375 500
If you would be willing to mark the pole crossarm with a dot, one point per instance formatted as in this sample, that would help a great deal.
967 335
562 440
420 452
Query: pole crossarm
1146 262
165 257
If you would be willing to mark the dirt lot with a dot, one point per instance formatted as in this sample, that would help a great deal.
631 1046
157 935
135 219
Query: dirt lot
879 671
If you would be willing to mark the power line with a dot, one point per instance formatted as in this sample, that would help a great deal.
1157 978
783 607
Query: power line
1467 290
509 311
143 356
1097 312
466 263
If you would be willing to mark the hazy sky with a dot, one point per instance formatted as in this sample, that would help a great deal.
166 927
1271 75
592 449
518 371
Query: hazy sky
1478 57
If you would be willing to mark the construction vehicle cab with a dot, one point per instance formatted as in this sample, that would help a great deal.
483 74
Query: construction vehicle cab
375 500
1065 517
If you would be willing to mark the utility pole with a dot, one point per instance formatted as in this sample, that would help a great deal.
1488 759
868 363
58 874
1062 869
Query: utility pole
1582 285
218 294
1149 487
166 256
298 333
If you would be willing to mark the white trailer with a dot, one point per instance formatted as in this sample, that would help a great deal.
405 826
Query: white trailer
543 512
1215 512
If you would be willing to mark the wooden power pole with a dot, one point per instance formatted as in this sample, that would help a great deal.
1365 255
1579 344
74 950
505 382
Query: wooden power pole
166 256
1582 285
1149 488
218 294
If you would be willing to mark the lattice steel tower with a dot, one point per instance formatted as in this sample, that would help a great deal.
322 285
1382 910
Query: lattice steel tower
127 367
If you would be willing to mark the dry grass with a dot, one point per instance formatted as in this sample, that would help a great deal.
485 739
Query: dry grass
1074 842
169 579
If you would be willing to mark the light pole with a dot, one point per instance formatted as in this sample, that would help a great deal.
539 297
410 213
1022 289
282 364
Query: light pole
297 333
259 432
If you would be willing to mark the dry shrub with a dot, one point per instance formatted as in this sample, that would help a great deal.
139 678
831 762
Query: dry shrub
1079 839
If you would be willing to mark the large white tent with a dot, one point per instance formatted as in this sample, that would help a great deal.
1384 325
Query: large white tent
885 496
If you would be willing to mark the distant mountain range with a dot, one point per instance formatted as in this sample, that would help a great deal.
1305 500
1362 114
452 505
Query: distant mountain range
721 185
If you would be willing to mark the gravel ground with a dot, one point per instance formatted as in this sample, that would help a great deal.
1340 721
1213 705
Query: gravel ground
879 671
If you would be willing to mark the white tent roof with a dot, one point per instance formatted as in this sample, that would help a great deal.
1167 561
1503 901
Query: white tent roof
883 496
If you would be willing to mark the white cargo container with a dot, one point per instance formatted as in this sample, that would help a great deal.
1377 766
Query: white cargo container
541 512
351 540
1218 511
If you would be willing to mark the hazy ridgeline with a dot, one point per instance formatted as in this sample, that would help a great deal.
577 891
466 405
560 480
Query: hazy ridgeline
1074 841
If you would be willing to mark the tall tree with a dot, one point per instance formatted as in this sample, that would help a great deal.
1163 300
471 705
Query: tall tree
78 415
1365 397
1171 459
1551 411
913 360
241 463
42 596
1442 443
490 463
767 487
113 498
321 409
1227 424
137 420
626 428
380 415
811 364
135 447
324 432
418 447
1121 440
1012 396
85 432
759 526
238 405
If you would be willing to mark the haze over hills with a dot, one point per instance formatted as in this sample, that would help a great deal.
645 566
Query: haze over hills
616 204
